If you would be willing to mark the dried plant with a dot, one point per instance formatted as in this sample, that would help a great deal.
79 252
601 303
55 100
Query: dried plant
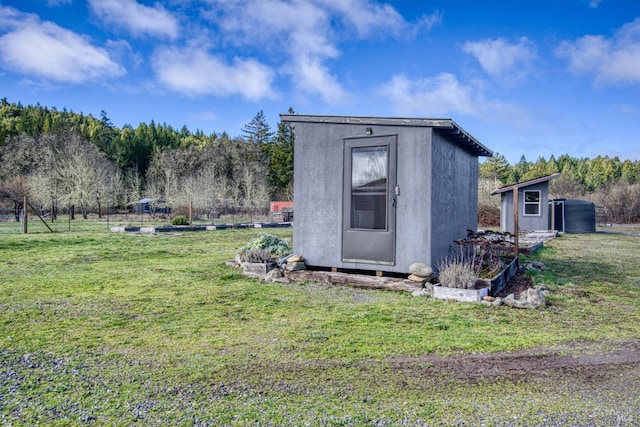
257 255
480 255
457 273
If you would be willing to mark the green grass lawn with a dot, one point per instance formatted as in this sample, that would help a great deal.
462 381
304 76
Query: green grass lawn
111 328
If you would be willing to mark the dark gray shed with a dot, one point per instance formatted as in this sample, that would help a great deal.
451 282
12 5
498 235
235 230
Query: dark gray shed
376 193
572 216
528 199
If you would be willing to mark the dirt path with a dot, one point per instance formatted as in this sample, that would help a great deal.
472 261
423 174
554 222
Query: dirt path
586 361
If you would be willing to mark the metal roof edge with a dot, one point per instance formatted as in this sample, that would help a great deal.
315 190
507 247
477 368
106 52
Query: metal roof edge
373 120
449 127
478 148
525 183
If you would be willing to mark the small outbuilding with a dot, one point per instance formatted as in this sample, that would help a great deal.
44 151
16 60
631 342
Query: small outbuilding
151 206
572 216
525 204
378 193
281 211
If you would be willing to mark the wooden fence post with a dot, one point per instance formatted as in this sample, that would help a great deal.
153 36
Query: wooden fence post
25 216
516 226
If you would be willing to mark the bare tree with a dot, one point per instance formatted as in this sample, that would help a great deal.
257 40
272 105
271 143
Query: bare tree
485 187
567 186
15 189
84 173
133 186
44 190
255 187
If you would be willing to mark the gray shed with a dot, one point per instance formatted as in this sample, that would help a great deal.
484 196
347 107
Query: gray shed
572 216
375 193
532 197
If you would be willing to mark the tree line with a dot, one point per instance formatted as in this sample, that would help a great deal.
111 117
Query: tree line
609 182
64 159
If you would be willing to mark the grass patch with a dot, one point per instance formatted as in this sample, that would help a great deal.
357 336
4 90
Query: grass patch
111 328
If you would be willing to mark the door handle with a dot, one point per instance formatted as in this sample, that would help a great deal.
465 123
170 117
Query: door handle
396 193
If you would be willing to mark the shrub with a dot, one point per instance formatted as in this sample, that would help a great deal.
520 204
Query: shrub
257 255
457 273
489 215
621 201
268 242
179 220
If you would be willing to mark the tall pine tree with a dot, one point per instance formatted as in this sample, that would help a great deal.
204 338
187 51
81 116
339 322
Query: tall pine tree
281 161
257 130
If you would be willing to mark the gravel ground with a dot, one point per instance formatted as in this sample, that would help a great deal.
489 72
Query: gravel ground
580 384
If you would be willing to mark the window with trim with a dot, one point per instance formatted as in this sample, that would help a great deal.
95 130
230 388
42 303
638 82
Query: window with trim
532 202
369 187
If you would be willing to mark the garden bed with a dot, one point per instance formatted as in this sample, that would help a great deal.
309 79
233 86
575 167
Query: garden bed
498 282
458 294
257 270
212 227
483 288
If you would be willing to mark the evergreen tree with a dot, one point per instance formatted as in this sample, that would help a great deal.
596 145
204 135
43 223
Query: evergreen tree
552 166
257 130
281 161
536 170
630 172
520 170
496 167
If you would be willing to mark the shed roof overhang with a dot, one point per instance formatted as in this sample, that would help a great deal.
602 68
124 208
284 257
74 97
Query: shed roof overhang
446 127
525 184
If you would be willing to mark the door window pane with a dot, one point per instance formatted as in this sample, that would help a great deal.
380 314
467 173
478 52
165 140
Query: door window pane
369 187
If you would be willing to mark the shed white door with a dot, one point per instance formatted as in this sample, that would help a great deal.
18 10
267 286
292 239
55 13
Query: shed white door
368 223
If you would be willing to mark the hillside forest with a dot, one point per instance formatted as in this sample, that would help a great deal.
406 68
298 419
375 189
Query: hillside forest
66 161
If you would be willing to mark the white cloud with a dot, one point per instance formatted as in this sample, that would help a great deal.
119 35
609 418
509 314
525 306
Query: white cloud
307 34
586 54
124 52
45 50
299 31
499 58
367 17
437 96
427 22
312 77
610 60
11 18
593 4
136 18
193 71
444 95
276 24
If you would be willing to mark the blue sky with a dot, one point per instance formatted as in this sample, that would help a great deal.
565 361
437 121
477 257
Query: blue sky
531 78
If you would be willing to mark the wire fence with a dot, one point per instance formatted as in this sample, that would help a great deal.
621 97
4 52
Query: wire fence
11 220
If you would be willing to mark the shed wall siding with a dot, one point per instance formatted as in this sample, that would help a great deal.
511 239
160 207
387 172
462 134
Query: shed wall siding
318 194
413 214
506 211
455 196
